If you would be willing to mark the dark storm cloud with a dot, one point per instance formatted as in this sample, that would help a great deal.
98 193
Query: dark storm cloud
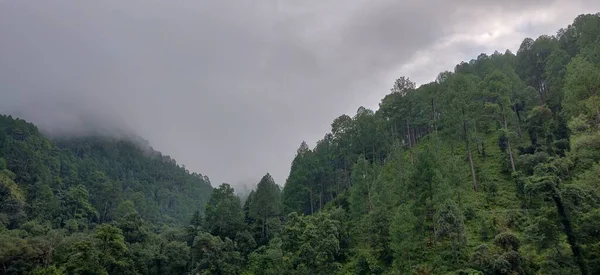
228 88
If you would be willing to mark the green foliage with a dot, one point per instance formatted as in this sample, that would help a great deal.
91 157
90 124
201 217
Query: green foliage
409 173
313 243
269 259
361 191
82 205
111 246
215 255
224 215
177 257
449 226
490 169
264 208
52 270
405 240
582 86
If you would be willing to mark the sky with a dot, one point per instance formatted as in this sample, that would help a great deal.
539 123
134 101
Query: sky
231 88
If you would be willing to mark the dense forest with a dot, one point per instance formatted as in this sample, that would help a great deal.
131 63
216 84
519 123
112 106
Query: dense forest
490 169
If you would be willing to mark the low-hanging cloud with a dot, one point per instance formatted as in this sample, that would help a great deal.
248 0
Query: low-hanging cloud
231 88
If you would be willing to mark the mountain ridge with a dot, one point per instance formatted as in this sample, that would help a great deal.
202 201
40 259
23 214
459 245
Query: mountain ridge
491 169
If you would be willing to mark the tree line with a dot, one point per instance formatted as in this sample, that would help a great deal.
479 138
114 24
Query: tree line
490 169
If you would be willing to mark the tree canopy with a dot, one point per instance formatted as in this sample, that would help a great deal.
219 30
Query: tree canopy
490 169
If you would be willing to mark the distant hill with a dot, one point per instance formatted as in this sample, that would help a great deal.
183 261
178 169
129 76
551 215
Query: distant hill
108 171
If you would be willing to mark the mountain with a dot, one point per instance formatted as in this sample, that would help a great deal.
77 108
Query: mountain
490 169
107 172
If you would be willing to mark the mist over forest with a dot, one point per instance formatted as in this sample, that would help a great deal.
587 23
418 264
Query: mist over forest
482 166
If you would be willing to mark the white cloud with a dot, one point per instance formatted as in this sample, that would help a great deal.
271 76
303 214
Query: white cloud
488 32
231 88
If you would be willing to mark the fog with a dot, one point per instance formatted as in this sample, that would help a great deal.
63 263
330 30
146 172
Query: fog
231 88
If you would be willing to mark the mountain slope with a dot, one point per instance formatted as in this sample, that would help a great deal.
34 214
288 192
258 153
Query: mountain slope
481 170
110 172
491 169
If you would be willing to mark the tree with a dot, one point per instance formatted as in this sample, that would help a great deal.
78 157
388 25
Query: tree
538 125
404 238
556 69
265 206
111 247
531 62
582 86
131 223
314 243
502 258
224 214
499 103
387 191
105 197
12 199
78 205
247 204
546 185
461 108
450 225
215 255
195 227
299 195
177 257
403 85
269 259
361 191
81 256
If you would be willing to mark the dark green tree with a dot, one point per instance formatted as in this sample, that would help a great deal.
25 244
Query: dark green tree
265 208
224 216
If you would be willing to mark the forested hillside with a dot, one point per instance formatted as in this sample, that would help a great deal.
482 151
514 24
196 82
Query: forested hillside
54 193
492 168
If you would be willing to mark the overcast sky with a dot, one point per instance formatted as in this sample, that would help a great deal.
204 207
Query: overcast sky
230 88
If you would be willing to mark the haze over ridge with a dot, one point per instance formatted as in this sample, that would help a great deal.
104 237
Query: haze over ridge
231 88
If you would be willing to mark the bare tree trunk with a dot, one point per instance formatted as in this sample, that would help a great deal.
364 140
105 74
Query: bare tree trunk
541 92
472 167
483 155
518 122
321 195
373 151
400 169
510 154
414 136
597 111
519 128
408 134
369 205
264 231
311 202
433 115
105 212
465 134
